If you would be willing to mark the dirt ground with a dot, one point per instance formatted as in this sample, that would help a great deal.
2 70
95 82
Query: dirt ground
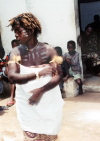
81 120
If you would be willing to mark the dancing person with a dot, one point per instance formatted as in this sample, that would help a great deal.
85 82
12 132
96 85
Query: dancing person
38 98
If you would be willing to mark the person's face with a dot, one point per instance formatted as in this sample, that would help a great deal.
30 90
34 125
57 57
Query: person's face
89 30
70 48
22 35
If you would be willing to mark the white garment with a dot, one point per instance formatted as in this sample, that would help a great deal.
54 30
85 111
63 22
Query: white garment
43 117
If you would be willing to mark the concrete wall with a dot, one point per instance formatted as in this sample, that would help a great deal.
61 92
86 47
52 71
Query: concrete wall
7 11
57 18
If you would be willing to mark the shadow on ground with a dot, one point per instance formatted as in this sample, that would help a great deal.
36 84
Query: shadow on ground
86 97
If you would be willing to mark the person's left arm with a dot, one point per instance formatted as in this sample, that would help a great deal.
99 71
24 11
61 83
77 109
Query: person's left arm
37 93
75 60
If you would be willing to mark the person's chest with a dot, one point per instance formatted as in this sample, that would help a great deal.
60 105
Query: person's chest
36 56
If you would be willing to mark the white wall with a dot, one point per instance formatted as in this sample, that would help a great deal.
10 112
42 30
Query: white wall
88 10
7 11
57 18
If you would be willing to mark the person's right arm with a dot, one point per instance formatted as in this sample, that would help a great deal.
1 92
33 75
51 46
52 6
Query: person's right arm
67 58
15 77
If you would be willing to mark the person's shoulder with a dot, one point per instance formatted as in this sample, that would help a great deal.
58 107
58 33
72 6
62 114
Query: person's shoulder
66 54
20 47
76 53
46 45
15 50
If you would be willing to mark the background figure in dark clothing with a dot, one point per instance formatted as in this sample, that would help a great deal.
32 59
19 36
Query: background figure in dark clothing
96 28
89 41
65 67
58 50
96 24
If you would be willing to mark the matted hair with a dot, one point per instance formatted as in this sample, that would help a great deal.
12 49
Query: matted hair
27 21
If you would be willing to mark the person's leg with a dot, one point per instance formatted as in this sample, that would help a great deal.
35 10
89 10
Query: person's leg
12 100
28 136
12 91
79 82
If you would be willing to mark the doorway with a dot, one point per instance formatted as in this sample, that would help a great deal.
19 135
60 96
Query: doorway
89 10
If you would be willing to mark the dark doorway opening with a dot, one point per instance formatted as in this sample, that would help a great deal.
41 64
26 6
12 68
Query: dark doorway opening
89 10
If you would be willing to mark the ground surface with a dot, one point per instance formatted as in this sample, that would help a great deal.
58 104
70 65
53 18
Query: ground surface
81 120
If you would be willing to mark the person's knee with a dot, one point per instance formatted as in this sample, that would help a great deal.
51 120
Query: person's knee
78 81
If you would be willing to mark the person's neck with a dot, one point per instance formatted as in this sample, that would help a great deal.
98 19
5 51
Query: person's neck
72 53
32 43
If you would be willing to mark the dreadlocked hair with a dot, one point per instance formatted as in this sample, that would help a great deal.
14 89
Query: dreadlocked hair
27 21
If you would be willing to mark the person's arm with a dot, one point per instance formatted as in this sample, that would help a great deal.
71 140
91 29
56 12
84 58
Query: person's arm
67 58
15 77
37 93
75 60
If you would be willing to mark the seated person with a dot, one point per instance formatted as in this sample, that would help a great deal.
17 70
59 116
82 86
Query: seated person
72 58
64 67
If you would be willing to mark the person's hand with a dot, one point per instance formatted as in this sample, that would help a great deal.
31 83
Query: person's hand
37 93
47 71
68 60
65 78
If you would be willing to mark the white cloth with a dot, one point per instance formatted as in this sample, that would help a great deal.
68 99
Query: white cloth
43 117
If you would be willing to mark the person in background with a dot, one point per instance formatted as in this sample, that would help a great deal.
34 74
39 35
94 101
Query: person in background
96 24
89 46
38 99
72 58
89 42
3 76
11 102
65 68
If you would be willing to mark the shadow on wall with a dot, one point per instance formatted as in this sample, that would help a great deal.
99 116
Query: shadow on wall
2 52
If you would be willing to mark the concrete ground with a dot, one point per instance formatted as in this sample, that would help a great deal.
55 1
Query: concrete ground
92 83
81 120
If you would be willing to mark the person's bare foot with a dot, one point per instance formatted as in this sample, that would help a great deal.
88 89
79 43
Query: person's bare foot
11 103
